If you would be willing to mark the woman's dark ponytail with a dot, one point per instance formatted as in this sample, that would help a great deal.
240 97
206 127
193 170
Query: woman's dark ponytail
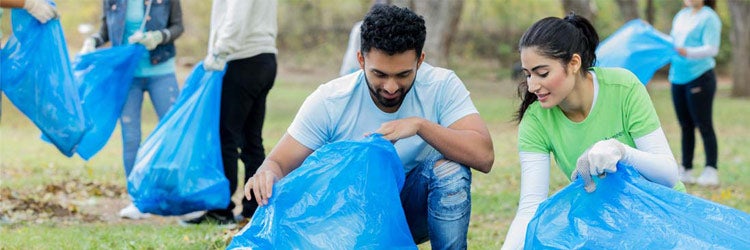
589 39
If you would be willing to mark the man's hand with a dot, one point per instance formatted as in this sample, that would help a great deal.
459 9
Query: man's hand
40 9
261 184
150 39
399 129
215 62
89 45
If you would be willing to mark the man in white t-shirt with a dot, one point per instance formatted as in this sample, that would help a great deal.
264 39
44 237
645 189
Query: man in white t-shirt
425 111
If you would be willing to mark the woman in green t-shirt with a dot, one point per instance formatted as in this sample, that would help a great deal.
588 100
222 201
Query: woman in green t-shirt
588 117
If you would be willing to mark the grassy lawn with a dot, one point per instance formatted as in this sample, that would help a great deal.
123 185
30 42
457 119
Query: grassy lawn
30 167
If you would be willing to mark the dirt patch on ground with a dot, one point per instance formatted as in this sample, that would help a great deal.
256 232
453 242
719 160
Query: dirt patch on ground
75 201
72 201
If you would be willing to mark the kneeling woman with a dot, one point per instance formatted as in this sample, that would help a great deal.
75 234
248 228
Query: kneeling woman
578 112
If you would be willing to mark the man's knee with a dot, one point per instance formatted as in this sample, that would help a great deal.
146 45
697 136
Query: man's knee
450 195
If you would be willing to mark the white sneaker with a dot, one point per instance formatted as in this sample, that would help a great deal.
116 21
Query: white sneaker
192 215
132 212
686 176
709 177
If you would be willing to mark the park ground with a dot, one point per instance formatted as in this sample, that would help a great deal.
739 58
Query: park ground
49 201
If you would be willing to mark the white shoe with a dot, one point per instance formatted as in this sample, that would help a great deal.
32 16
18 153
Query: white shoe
192 215
709 177
686 176
132 212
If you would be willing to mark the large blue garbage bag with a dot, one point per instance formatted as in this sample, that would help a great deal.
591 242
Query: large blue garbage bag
638 47
104 78
345 195
36 76
178 169
627 211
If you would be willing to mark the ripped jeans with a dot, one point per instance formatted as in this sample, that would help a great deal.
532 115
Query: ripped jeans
437 204
163 91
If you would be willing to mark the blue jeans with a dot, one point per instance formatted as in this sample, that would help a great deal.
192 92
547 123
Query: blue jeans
437 204
163 91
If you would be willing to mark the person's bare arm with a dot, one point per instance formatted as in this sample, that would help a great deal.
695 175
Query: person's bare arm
466 141
285 157
12 3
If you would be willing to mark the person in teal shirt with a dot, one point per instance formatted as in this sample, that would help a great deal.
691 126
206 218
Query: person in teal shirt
155 25
589 118
696 31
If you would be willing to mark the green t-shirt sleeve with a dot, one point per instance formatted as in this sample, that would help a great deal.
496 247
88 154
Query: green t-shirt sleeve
530 134
640 112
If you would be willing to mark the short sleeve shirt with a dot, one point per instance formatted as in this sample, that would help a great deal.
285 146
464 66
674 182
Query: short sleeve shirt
623 111
342 109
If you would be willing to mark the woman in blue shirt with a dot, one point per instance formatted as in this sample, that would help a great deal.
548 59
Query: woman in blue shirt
696 31
155 24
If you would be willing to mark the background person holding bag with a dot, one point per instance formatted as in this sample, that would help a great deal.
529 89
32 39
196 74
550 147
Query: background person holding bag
155 24
242 39
586 116
696 31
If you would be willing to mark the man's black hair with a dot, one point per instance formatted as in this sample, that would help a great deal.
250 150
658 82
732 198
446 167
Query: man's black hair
393 30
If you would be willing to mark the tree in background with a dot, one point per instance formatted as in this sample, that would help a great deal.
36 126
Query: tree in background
584 8
441 19
650 11
628 9
740 13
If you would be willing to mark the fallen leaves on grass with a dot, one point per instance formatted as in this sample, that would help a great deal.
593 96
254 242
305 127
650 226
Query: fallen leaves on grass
58 202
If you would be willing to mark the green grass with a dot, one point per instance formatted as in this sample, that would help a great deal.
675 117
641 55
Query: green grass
27 163
101 236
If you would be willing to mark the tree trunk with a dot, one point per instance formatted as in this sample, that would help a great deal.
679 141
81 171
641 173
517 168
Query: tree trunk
441 19
740 37
628 9
584 8
650 11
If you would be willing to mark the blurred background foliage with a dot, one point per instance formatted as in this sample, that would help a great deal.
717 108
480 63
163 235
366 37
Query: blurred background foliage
314 33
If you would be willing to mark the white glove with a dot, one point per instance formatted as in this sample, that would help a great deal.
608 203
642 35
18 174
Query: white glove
40 9
89 45
582 169
150 39
215 62
604 155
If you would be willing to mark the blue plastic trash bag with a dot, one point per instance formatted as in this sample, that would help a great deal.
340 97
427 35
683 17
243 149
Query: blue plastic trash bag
627 211
345 195
638 47
36 76
104 78
178 169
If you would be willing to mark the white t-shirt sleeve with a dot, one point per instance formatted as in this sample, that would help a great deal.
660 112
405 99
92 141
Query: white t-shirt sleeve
310 125
535 171
456 102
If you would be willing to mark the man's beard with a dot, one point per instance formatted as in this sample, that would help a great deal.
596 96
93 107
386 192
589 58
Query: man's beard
386 102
